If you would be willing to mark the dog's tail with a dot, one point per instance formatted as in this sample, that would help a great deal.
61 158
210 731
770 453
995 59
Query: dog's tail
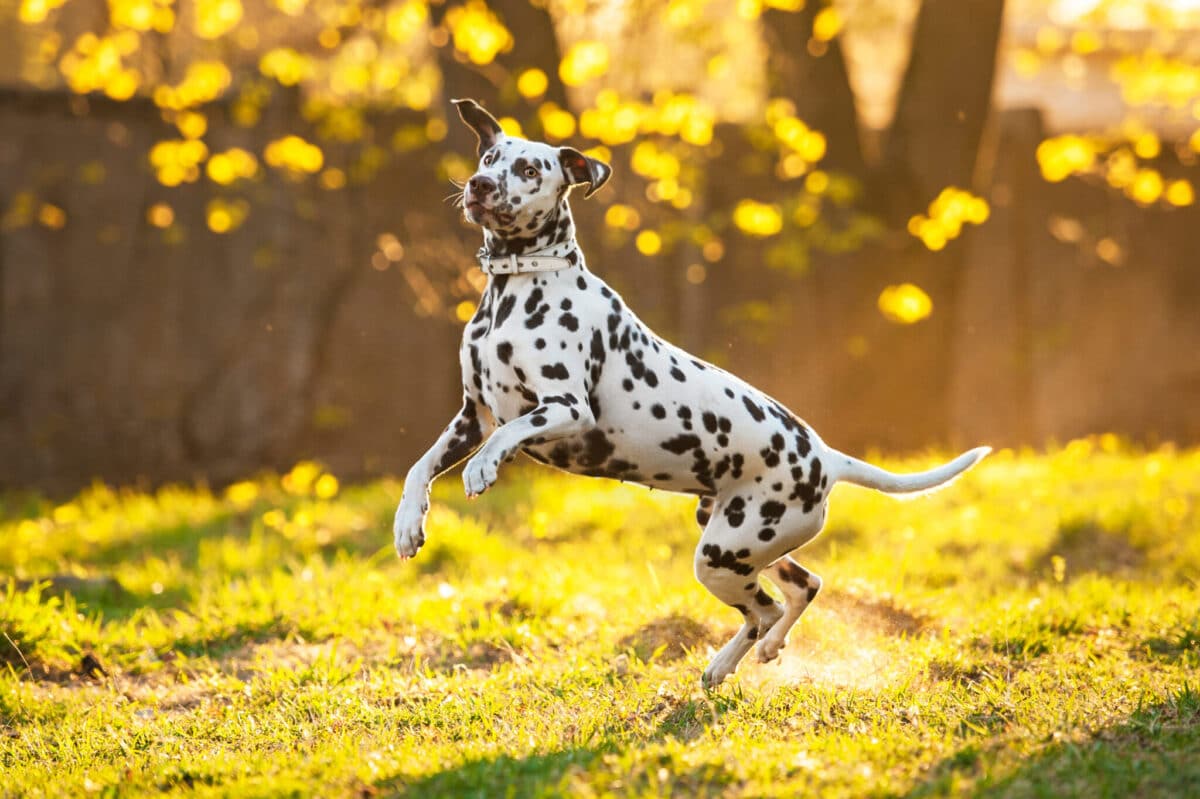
861 473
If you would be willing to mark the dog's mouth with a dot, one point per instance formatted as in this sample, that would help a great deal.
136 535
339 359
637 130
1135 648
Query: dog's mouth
481 214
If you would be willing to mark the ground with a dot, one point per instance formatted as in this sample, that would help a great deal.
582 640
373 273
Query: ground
1033 630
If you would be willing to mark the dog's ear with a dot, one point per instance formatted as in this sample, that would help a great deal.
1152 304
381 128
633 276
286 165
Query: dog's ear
583 169
479 120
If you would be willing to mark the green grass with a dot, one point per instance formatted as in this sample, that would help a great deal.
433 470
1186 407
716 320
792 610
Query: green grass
1032 631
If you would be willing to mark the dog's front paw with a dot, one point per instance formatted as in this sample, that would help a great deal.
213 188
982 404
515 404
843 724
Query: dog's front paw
479 474
409 529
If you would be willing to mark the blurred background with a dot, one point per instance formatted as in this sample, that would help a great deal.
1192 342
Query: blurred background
224 247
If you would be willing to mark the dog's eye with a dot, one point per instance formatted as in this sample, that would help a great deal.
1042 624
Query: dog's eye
531 172
488 159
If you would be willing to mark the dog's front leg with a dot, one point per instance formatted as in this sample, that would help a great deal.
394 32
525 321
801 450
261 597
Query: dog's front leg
460 438
556 416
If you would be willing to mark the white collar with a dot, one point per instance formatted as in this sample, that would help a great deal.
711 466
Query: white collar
520 264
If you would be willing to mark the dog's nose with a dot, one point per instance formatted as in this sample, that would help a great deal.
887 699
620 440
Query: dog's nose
481 185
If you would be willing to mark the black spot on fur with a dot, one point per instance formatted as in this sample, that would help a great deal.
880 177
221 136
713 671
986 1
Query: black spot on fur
596 448
726 559
735 512
506 308
772 511
680 444
555 372
755 412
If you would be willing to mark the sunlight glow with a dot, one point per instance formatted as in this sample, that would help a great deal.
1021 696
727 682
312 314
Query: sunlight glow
905 304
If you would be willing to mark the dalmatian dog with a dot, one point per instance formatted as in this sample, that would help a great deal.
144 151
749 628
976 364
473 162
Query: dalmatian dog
555 365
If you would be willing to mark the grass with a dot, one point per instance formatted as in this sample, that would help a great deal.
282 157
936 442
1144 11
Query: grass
1032 631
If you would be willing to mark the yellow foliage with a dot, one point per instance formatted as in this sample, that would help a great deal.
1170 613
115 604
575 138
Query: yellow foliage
682 13
95 64
1147 145
1180 193
827 24
1085 42
1050 40
177 161
532 83
558 123
477 32
619 215
758 219
203 82
295 154
293 8
160 215
32 12
1150 78
223 217
242 494
464 311
286 65
214 18
584 61
326 486
142 15
224 168
332 179
648 242
950 210
905 304
615 121
816 182
748 9
191 124
649 161
1147 187
300 479
51 216
329 38
510 126
406 20
1062 156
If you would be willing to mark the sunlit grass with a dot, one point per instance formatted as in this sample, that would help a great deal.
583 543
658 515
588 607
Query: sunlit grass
1035 629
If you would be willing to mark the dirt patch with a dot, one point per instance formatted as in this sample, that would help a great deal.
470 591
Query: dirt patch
869 613
670 636
848 639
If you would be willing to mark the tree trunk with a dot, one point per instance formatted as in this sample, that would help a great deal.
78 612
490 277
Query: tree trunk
817 84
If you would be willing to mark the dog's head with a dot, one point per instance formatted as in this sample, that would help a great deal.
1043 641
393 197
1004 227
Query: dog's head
520 184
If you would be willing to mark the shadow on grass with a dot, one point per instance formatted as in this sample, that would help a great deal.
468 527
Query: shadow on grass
1088 548
604 770
1155 752
504 775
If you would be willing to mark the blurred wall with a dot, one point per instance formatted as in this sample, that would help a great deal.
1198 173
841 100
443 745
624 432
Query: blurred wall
128 351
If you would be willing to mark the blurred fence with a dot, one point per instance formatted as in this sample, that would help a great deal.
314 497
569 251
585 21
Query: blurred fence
129 350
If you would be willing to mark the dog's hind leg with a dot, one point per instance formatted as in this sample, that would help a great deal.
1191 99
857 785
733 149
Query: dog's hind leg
799 587
732 577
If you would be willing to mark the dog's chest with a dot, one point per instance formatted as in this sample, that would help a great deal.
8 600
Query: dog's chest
530 330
